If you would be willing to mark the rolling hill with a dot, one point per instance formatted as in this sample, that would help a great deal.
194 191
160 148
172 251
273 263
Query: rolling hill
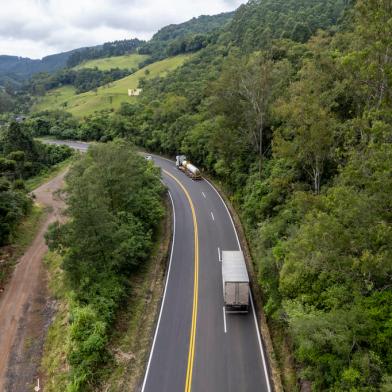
130 61
107 97
15 70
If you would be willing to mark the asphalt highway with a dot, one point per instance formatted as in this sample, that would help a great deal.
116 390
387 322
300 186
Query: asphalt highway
197 346
227 355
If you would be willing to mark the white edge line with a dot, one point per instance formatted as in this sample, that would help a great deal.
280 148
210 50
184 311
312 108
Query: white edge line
164 295
253 308
224 319
251 299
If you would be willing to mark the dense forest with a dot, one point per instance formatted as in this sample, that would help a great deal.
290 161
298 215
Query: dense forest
186 37
257 22
21 158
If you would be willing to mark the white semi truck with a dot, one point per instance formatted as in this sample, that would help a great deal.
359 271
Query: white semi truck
185 166
235 281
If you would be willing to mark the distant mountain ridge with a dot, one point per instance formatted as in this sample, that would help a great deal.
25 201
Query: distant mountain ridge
15 70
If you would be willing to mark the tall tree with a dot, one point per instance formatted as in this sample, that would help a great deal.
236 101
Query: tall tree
245 96
307 133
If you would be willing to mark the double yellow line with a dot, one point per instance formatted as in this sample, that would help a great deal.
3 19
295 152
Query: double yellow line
192 340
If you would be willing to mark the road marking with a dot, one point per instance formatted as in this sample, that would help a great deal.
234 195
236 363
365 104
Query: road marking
212 216
164 294
219 255
253 308
192 340
224 319
204 195
37 388
251 299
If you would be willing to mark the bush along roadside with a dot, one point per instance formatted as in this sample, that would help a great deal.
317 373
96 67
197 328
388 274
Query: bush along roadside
114 208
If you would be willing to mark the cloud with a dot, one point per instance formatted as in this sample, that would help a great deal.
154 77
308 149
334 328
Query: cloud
36 28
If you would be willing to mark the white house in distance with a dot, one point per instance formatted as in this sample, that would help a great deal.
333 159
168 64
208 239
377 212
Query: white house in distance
134 92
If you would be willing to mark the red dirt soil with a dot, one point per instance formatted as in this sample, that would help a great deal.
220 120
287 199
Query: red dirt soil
24 305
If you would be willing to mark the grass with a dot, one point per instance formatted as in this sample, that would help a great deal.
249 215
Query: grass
55 99
23 237
130 61
54 362
108 97
47 175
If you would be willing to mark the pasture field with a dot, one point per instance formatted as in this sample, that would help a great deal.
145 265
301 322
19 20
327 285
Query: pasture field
130 61
108 97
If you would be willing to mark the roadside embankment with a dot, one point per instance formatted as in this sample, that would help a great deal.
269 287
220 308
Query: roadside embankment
133 330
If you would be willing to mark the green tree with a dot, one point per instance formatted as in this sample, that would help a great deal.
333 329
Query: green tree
309 125
114 205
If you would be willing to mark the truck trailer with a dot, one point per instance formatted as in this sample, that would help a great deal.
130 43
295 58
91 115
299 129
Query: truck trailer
235 281
185 166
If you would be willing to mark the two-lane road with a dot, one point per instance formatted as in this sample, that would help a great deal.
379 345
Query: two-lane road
226 354
197 346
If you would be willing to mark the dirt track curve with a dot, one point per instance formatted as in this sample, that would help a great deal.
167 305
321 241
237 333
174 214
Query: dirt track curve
24 305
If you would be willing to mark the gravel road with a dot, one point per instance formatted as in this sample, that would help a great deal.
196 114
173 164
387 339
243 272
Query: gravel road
25 306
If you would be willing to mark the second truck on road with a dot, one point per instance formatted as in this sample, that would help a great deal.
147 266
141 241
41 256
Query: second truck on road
185 166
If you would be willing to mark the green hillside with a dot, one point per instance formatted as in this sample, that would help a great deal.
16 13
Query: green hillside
106 97
186 37
123 62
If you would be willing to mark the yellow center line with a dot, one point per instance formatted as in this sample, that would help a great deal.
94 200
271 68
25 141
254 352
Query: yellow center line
192 339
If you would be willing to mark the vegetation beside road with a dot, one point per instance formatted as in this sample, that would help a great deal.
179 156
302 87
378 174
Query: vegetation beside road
21 160
22 237
47 174
129 339
115 208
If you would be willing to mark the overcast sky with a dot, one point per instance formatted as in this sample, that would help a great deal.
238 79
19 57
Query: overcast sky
36 28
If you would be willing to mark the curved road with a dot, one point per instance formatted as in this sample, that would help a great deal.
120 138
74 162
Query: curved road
197 346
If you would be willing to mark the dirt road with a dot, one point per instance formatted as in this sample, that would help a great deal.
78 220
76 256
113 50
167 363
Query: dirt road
25 309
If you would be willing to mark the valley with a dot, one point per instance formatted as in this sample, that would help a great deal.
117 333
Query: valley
265 130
